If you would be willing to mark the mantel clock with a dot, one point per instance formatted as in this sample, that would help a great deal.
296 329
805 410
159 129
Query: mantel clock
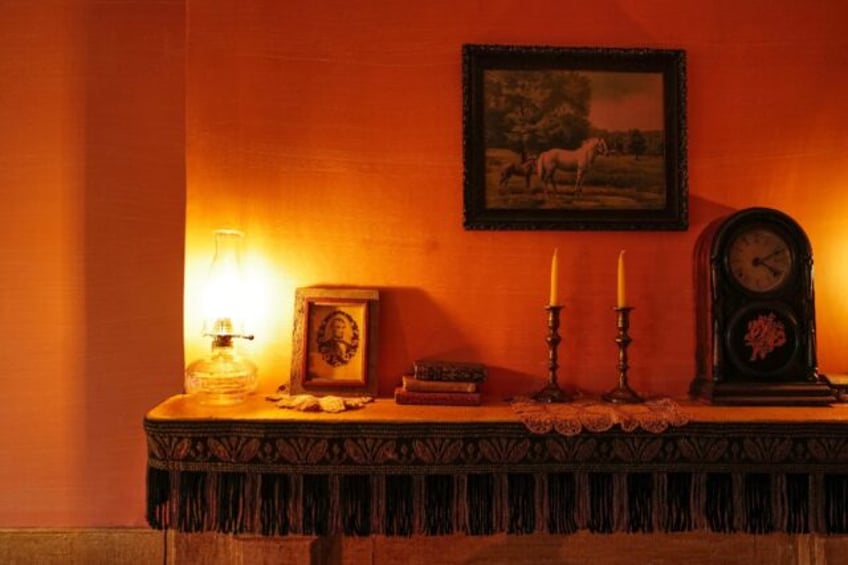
756 340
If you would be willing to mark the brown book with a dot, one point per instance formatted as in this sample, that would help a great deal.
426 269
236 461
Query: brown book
417 385
437 398
449 371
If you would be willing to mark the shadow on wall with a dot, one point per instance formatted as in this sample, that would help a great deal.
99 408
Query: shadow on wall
412 327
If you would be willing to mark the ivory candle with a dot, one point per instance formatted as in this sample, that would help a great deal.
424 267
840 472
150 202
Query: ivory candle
554 299
622 288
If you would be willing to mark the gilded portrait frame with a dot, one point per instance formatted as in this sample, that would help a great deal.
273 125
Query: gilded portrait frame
334 342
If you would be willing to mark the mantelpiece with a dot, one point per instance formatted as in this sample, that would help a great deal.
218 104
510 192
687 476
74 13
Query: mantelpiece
399 470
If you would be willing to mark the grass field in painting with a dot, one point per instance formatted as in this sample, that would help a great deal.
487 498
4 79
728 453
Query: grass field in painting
615 182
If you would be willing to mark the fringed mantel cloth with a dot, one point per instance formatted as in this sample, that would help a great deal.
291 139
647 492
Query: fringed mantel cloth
433 470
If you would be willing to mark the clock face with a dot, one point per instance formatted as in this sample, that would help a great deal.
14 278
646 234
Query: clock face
759 259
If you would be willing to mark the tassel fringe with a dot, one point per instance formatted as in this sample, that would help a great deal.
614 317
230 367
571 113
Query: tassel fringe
489 503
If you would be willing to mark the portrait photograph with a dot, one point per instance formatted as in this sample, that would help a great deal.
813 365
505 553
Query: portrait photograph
335 344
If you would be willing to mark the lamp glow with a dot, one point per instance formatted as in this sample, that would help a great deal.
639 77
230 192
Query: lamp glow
224 376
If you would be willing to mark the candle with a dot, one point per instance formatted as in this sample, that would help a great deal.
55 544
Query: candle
554 300
622 291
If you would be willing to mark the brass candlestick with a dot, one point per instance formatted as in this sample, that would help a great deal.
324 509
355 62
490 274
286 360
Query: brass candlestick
552 392
622 394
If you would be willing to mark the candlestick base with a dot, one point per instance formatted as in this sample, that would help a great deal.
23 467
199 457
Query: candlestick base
622 395
551 394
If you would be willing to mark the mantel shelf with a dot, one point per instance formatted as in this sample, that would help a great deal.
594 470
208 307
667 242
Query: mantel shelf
401 470
184 408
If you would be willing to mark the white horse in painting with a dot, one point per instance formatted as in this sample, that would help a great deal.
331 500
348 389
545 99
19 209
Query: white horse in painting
553 159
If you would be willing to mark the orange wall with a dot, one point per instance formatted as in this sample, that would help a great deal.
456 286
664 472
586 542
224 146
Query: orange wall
92 183
330 132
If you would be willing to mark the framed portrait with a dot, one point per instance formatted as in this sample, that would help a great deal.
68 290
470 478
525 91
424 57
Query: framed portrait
335 341
559 138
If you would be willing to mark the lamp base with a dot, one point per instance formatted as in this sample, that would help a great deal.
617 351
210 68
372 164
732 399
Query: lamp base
221 391
221 379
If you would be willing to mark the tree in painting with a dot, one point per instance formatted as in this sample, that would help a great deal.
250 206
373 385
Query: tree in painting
529 110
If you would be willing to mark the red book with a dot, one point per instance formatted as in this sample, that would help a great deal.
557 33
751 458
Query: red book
442 398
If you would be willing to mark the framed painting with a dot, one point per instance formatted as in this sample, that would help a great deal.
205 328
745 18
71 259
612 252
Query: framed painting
559 138
335 341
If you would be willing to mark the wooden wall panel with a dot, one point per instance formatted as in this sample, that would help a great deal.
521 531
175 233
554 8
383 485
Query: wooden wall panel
136 546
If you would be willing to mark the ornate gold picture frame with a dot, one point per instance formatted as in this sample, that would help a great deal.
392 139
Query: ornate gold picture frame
335 341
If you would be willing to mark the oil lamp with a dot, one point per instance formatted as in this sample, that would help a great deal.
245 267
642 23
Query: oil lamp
224 376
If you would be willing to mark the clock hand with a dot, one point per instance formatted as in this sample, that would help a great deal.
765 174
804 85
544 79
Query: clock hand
758 262
772 254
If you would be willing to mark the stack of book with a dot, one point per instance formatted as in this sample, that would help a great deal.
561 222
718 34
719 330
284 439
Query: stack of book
442 382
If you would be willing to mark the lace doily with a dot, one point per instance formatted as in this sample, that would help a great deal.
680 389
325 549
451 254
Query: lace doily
310 403
594 415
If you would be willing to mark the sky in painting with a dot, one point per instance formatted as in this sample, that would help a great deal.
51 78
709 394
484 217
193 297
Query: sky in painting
625 101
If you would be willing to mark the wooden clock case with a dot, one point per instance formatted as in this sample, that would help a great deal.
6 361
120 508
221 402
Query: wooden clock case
787 375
